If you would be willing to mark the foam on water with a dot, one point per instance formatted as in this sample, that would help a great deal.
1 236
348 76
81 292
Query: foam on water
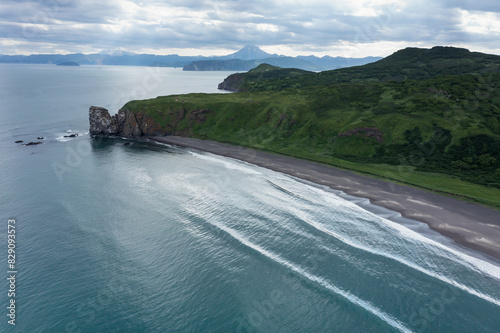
63 137
321 281
387 217
226 162
461 258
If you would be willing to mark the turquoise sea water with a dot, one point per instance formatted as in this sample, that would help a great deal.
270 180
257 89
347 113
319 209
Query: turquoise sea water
154 238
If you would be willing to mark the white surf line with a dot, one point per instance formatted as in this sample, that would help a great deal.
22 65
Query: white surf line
474 263
405 262
228 164
282 189
350 297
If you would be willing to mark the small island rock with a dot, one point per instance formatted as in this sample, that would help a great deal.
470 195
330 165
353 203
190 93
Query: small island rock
68 63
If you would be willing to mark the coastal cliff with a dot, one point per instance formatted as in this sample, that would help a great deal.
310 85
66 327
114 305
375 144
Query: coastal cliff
124 123
127 123
232 83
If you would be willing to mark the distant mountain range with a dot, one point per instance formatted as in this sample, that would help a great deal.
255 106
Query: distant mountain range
251 56
245 59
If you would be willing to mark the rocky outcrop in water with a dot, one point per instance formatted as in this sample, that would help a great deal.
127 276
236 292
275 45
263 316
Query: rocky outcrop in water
124 123
101 122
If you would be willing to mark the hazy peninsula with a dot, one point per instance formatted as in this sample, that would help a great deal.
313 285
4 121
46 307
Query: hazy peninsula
69 63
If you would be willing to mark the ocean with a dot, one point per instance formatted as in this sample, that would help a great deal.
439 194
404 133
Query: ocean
147 237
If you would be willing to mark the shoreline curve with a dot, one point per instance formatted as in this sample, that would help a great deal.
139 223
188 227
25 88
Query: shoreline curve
468 224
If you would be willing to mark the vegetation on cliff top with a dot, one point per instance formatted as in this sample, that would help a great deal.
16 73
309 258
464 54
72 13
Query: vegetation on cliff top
441 132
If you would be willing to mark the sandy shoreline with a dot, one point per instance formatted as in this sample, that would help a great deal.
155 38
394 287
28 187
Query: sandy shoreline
470 225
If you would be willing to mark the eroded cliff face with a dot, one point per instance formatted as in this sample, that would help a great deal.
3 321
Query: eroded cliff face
101 123
124 123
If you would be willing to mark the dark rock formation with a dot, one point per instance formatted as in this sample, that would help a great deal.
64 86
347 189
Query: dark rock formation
33 143
19 141
40 138
70 136
101 122
124 123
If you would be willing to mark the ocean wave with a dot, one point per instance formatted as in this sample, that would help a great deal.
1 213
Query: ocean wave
316 279
386 218
478 265
225 161
384 225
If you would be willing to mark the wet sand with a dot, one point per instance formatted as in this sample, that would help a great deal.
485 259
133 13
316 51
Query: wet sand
468 224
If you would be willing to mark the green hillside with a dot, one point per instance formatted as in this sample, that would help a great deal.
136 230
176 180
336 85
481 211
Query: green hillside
440 132
410 63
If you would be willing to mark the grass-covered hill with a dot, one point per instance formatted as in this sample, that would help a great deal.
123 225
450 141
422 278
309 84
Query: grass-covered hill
265 74
437 126
410 63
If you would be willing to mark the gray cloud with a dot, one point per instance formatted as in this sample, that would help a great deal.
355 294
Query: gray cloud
318 26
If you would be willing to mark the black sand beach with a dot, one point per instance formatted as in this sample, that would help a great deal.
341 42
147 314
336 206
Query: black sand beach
470 225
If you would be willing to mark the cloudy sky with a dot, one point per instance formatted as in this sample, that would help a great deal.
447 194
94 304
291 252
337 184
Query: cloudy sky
352 28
